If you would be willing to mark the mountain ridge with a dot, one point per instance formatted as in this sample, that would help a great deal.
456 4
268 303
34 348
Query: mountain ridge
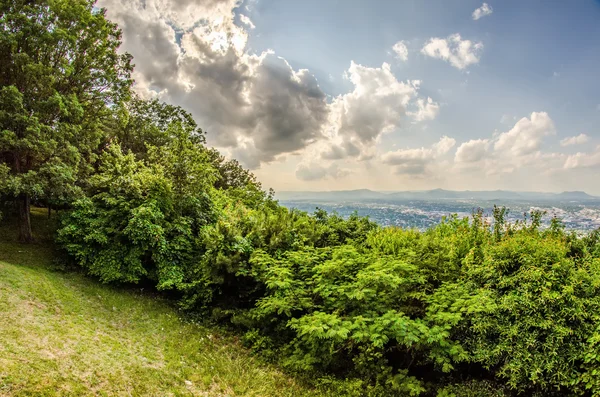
432 194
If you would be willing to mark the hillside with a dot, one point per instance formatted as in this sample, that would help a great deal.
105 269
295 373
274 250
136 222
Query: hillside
64 334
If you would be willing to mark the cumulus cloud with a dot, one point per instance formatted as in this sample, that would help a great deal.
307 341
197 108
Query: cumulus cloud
401 50
415 162
472 151
255 106
314 172
443 146
459 53
247 21
512 150
375 106
526 136
357 120
426 110
482 11
193 54
583 160
521 146
575 140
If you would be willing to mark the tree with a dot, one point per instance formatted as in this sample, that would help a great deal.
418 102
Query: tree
60 75
139 124
239 183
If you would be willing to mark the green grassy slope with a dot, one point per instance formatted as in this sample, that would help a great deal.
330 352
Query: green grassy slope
65 334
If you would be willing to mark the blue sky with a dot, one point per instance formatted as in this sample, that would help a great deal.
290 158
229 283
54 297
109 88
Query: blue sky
311 95
525 43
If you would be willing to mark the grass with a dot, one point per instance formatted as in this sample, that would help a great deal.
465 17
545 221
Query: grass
64 334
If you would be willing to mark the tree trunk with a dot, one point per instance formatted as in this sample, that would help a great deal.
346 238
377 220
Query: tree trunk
49 210
24 219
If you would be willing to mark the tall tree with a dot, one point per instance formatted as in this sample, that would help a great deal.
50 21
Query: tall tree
239 182
139 123
60 74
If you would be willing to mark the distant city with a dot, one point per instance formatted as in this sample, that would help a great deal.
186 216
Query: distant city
422 209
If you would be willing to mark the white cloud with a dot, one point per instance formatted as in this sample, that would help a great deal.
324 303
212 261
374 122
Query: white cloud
401 51
472 151
526 136
426 110
376 105
575 140
583 160
416 162
513 150
255 107
444 145
247 21
459 53
482 11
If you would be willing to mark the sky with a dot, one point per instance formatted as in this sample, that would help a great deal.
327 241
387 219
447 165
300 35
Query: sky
383 95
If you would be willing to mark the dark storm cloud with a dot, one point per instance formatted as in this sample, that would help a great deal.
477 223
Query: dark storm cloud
252 103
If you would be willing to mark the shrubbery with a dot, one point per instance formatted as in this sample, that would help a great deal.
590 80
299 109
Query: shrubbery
464 308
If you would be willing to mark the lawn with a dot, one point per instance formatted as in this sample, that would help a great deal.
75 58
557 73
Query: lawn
62 333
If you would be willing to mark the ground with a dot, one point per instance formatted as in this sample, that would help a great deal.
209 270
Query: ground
62 333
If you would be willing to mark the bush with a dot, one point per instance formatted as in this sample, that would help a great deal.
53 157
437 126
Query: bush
368 311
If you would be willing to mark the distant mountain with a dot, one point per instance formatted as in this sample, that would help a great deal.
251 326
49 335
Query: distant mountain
423 195
576 196
432 195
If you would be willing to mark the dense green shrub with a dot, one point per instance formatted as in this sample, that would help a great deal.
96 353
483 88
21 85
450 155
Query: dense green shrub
458 309
526 310
464 308
132 227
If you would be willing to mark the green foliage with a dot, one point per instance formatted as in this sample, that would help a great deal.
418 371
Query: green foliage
347 311
60 72
382 308
139 124
238 182
464 308
525 309
139 221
